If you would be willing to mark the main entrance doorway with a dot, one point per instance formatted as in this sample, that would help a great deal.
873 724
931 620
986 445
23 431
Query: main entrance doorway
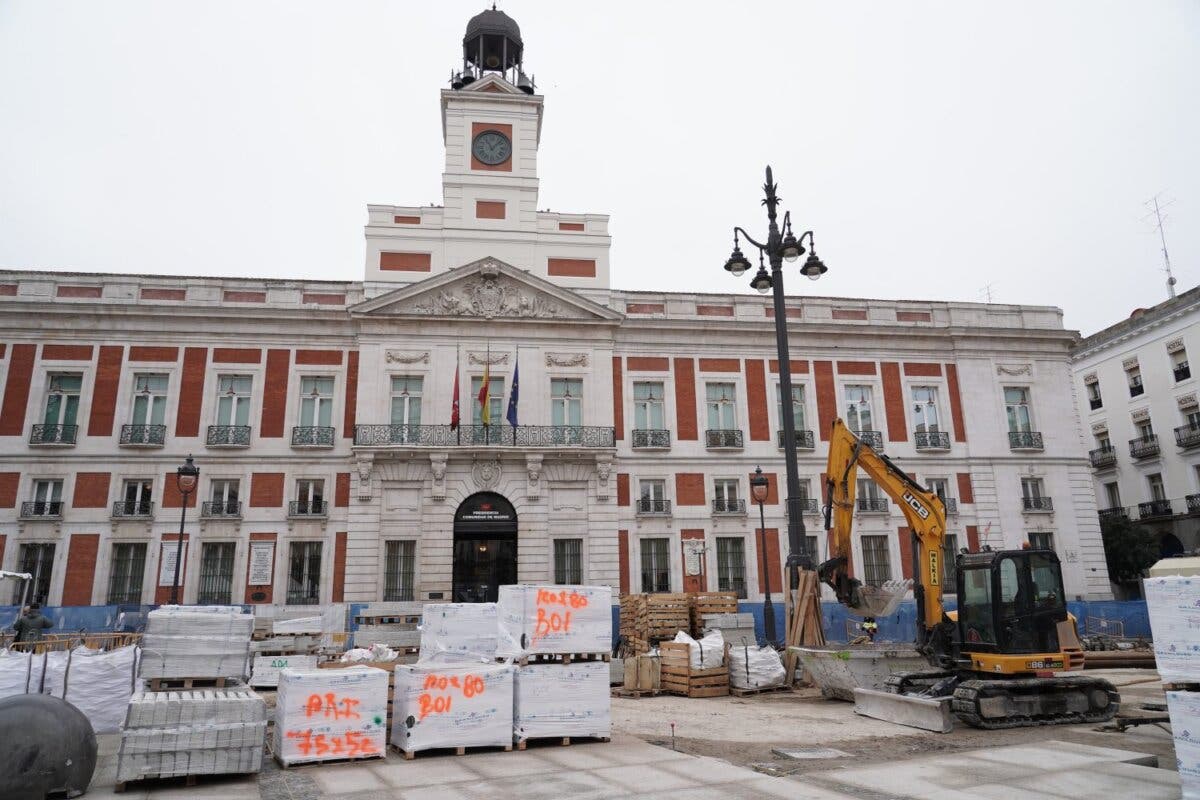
485 548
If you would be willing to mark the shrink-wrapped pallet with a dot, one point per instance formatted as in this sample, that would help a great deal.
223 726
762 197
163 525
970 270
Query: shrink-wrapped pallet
1173 604
463 628
562 700
554 619
755 667
330 714
1184 708
452 705
196 642
264 672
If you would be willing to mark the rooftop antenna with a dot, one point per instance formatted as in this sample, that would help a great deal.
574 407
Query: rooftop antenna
986 292
1159 220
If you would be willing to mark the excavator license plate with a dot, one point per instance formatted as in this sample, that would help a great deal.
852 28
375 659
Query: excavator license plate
1048 663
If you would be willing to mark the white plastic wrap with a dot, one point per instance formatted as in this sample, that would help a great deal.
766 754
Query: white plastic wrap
708 652
1173 604
97 683
466 628
452 705
554 619
1184 708
196 642
755 668
265 670
562 700
330 714
294 626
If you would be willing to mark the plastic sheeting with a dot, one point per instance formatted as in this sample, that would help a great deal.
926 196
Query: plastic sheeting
1174 606
452 705
465 628
265 670
554 619
197 642
708 652
330 714
755 668
1184 708
562 700
97 683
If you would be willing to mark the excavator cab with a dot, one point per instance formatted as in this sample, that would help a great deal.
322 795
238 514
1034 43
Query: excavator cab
1010 602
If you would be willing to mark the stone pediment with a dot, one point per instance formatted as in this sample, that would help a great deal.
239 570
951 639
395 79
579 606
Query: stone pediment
488 289
491 82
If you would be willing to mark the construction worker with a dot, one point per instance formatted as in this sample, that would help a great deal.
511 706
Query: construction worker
31 624
870 627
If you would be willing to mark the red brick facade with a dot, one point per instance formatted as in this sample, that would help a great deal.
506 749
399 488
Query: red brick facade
81 569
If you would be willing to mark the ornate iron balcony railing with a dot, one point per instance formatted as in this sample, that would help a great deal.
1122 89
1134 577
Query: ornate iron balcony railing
483 436
1113 513
729 506
1037 503
722 438
1096 402
228 436
1187 436
873 504
41 509
808 504
310 436
804 440
1193 503
1025 440
63 435
143 435
221 508
133 509
308 508
932 440
646 505
1154 508
873 439
651 439
1136 389
1103 457
1144 447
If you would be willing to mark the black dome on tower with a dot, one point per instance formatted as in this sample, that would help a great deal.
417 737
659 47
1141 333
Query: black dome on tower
492 43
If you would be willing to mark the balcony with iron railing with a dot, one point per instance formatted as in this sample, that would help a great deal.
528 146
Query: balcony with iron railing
394 436
42 509
648 506
309 436
1103 457
1095 403
1037 504
804 440
1144 446
133 509
1025 440
54 435
873 505
1155 508
932 441
143 435
228 436
723 439
1187 436
1193 503
1113 513
650 439
1182 371
307 509
873 439
729 506
809 505
221 509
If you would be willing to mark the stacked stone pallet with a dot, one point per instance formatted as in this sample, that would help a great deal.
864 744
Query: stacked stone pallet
737 629
196 643
387 666
1171 602
395 625
647 619
326 715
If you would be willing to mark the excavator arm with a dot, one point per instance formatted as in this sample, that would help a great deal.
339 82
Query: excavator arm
922 508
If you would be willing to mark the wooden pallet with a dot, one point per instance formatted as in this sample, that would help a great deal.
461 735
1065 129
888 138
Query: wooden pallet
329 761
679 678
562 741
175 684
409 755
561 658
648 618
1181 687
388 619
635 694
736 692
188 780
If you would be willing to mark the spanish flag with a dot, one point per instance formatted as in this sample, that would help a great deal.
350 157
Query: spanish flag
485 396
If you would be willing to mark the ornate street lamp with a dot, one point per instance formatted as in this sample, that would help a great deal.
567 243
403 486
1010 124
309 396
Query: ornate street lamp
185 479
759 486
782 246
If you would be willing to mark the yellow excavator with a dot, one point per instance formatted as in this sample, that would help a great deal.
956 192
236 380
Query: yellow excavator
995 658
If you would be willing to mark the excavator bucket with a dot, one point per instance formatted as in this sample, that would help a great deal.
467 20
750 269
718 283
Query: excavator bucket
879 601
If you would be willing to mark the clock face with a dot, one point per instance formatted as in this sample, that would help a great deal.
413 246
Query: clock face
491 148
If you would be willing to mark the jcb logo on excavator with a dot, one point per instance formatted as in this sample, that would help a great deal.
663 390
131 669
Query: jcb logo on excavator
916 505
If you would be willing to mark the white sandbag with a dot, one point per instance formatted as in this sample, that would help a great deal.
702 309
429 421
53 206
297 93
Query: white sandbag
264 672
20 673
554 619
706 653
1173 605
452 705
97 683
330 714
1184 709
562 700
467 628
755 667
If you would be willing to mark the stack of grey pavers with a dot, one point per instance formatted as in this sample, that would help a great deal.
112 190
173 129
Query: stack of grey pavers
737 629
199 731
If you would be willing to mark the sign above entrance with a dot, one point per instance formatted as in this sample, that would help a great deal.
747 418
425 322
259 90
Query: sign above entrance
485 508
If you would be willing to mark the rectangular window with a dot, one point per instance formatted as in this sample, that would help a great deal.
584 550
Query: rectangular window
310 496
137 501
939 486
1191 417
1145 430
721 402
868 489
1134 375
316 402
925 409
1093 393
797 405
1103 442
652 496
656 568
406 399
568 561
1016 406
47 498
648 406
1041 540
1157 491
877 564
62 402
1179 365
224 497
1113 492
949 565
1031 488
813 545
496 400
216 573
125 573
149 399
859 415
566 402
304 574
36 560
399 571
233 399
731 565
725 495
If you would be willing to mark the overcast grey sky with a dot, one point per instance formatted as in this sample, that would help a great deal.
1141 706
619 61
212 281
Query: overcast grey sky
935 147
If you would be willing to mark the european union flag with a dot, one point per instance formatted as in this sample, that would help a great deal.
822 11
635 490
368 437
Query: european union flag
511 416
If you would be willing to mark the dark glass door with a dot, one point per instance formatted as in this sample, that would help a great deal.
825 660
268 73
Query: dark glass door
482 566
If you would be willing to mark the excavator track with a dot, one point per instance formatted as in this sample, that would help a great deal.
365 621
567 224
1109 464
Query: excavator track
1029 702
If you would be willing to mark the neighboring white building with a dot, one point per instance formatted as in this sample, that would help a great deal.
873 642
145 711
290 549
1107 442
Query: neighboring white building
1138 399
318 411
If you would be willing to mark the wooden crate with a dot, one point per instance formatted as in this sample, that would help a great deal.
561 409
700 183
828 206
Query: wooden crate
679 678
701 603
647 619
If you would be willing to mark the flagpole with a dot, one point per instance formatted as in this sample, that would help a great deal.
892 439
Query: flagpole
457 393
513 387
